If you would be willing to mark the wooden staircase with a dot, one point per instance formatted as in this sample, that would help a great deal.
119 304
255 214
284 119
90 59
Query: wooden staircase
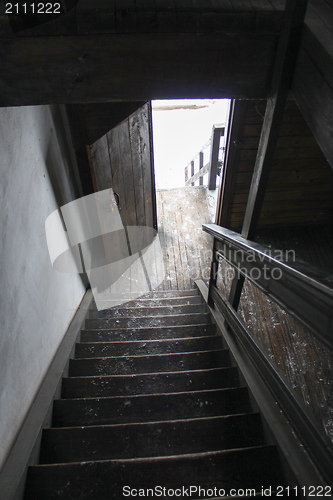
152 400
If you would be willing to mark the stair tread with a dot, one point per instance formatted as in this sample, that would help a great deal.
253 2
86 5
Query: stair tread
167 457
154 293
141 302
133 375
180 381
183 339
161 394
149 347
149 439
109 365
136 323
147 407
183 315
154 355
165 332
253 467
154 310
152 422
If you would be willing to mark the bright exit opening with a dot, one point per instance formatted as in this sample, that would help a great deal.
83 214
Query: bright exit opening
183 137
181 130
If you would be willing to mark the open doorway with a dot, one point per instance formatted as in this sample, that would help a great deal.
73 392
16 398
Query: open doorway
188 138
181 129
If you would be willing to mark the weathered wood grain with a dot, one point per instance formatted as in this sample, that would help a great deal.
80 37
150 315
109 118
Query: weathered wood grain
187 250
74 69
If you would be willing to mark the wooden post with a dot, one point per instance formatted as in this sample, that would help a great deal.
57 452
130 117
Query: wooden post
213 276
201 160
192 171
232 151
214 157
282 76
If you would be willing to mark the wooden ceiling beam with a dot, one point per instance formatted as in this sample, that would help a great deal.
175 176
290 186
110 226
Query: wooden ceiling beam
101 68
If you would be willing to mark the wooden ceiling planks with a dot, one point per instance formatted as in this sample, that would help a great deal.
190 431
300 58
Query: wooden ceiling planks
95 51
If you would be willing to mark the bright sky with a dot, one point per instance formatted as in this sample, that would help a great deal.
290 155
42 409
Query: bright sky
180 129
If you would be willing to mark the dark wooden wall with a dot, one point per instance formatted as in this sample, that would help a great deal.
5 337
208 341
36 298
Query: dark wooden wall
300 189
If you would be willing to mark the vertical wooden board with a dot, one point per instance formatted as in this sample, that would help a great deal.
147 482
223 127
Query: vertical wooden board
100 163
176 236
116 169
148 178
126 165
169 250
118 241
183 255
161 233
135 145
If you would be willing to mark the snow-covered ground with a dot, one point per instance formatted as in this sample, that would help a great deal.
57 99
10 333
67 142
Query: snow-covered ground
180 129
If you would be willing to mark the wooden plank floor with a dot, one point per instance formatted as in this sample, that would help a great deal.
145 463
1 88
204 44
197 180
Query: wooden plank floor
187 250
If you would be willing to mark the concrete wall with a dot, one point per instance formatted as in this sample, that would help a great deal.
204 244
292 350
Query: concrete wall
36 302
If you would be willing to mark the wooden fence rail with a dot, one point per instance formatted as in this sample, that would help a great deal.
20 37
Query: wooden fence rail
212 167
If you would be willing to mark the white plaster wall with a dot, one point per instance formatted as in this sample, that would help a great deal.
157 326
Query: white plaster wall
36 302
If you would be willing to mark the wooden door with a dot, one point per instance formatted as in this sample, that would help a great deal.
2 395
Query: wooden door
123 160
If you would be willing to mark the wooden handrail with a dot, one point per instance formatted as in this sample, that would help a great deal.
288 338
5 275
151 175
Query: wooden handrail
301 289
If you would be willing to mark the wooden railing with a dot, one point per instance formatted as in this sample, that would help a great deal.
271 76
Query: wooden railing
213 167
303 291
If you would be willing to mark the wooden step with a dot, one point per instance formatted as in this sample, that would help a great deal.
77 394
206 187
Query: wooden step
150 407
156 294
153 439
160 301
124 334
253 468
153 311
122 365
151 383
131 348
148 321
